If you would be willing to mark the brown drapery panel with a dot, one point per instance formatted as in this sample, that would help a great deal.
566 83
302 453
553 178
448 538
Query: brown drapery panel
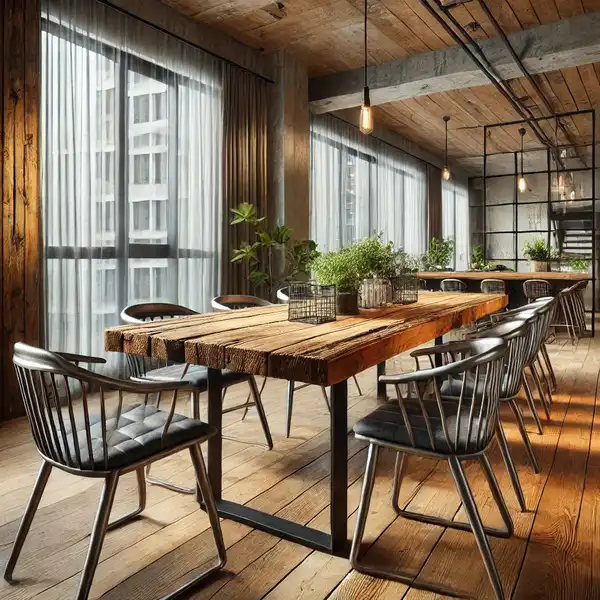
244 166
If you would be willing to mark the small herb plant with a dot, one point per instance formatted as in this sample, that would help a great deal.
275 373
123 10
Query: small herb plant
537 250
440 254
478 262
579 264
407 264
265 270
346 268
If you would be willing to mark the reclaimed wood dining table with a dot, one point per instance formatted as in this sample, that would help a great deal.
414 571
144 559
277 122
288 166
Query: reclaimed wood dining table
261 341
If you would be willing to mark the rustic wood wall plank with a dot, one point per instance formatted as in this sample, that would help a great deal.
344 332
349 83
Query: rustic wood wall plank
20 217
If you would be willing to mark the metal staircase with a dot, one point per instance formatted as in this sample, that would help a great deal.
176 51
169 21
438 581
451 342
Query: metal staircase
572 227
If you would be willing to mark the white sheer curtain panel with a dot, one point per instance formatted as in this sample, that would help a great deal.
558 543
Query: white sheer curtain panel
131 142
360 186
455 220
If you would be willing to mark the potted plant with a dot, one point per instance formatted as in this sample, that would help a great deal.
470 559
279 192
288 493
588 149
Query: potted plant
439 256
274 257
478 262
538 254
579 265
405 284
338 268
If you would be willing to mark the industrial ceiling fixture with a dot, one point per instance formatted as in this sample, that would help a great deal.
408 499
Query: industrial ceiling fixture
366 112
446 171
522 182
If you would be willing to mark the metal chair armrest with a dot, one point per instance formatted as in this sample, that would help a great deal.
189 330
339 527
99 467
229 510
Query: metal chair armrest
82 358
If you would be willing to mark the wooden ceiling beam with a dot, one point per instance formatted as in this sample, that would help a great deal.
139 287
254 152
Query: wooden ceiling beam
561 44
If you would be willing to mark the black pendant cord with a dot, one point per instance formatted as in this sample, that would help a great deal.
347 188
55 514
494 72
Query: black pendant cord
446 146
366 8
522 156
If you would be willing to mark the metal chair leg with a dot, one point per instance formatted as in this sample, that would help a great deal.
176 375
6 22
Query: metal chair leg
399 469
540 390
357 385
32 506
483 544
249 398
262 415
325 397
211 509
497 493
545 377
519 418
510 467
141 484
531 404
290 408
98 533
549 366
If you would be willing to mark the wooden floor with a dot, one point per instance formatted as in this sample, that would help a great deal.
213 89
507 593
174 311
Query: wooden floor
555 553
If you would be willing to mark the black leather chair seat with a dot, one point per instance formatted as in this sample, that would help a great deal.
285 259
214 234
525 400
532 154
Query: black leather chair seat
387 424
197 375
452 388
137 435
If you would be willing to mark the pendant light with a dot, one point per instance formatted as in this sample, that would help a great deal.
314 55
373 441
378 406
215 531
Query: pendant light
366 112
446 171
522 184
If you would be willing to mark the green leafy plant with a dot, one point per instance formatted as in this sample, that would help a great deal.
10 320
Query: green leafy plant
274 256
537 250
478 262
439 256
579 264
407 264
346 268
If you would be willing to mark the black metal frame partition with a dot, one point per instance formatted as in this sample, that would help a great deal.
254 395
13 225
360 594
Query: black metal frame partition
550 202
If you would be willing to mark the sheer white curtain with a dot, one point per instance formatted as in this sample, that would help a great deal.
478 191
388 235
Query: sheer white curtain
360 186
455 220
131 142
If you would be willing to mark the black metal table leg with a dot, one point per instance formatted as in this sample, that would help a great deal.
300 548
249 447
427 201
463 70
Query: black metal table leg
215 443
339 467
381 387
438 357
335 543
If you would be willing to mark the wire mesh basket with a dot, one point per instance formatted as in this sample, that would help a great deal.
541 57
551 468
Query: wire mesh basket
312 303
405 289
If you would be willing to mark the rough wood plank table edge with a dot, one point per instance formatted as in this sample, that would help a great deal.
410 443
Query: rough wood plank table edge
505 275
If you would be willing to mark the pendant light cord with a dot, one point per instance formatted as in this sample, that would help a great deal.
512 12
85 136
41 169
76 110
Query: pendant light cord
446 146
366 8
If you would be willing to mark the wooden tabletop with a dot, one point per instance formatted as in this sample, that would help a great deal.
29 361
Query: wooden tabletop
261 341
504 275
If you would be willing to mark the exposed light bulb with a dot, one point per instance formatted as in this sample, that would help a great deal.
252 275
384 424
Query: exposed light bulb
446 174
522 184
366 119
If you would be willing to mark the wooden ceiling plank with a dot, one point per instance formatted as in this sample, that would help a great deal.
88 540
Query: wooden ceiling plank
525 13
569 8
464 16
546 11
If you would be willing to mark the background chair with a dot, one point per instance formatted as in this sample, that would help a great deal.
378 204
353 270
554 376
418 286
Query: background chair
153 370
424 423
536 288
493 286
284 297
453 285
100 436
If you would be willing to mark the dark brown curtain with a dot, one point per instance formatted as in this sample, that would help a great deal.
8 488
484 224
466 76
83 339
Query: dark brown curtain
244 166
434 203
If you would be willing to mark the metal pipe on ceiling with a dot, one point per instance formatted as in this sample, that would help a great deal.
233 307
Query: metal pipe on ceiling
523 69
486 68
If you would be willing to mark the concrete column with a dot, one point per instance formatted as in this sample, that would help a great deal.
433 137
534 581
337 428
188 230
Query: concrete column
289 137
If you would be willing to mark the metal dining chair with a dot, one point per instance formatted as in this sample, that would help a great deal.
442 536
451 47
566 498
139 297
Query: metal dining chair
493 286
536 288
293 386
142 367
237 301
424 423
104 435
453 285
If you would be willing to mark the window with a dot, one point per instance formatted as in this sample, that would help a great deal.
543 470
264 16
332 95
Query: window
141 169
141 215
360 187
455 221
160 168
141 108
105 171
160 106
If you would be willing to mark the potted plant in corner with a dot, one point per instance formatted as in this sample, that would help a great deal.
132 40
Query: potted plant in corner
439 256
579 265
538 254
478 262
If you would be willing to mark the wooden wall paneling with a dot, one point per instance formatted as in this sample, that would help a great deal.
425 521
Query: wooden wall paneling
21 238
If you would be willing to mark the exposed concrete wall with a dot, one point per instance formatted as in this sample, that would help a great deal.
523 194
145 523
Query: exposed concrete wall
289 141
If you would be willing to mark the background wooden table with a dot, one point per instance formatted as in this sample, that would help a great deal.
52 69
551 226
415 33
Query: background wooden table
262 341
